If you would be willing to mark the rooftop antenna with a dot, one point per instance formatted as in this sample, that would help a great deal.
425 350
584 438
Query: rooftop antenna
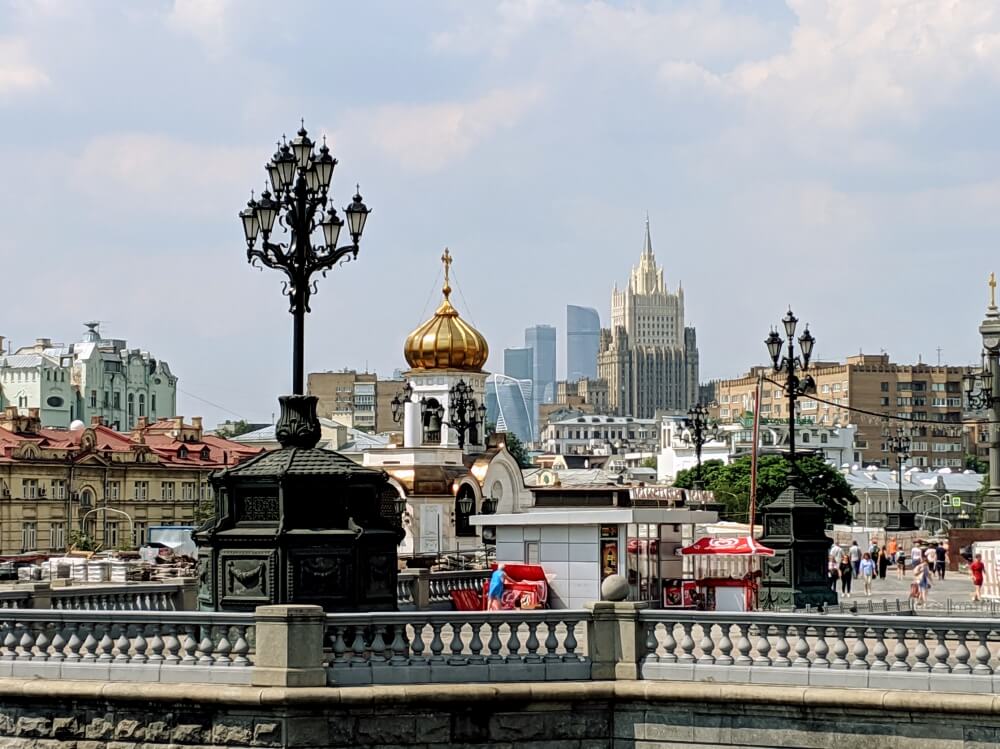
939 355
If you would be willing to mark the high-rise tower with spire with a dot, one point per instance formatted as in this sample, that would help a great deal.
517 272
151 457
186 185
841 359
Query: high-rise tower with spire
648 356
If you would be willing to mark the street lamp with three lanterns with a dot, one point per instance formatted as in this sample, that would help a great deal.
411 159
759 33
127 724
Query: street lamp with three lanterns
794 386
698 432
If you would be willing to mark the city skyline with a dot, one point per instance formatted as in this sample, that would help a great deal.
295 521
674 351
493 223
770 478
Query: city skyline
784 157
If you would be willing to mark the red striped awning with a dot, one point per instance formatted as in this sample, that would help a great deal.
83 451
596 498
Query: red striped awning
741 546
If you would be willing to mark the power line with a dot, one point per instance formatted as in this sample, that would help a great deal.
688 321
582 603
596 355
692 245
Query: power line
210 403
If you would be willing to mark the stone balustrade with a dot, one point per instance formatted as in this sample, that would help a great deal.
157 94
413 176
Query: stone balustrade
459 646
126 646
420 589
907 652
170 596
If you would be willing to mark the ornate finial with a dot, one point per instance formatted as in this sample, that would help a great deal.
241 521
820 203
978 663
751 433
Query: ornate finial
446 259
993 290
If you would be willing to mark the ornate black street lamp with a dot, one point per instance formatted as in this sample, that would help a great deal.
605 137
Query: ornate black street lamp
794 387
898 444
989 397
399 401
979 385
698 432
300 179
465 415
490 505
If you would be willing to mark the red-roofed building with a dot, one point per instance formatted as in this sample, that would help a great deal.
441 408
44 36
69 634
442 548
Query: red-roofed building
110 486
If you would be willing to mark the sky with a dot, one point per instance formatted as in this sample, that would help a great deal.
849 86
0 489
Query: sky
840 157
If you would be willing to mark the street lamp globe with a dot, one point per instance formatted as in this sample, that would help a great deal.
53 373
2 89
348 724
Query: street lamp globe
773 342
302 147
806 342
331 225
789 321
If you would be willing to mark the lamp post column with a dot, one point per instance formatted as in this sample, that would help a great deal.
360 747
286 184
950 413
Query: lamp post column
990 331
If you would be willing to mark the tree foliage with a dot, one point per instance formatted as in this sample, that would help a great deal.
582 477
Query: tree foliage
977 464
514 445
731 484
234 429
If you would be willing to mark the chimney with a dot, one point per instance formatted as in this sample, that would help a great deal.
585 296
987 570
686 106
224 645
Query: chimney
196 425
178 422
142 422
96 421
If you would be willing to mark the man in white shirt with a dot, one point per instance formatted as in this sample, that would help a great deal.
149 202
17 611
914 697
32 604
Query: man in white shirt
916 554
836 552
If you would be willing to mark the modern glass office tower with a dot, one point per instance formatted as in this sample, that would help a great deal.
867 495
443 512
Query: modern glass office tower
508 405
583 341
519 362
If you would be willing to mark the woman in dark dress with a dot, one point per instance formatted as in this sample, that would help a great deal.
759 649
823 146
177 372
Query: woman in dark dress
846 573
883 563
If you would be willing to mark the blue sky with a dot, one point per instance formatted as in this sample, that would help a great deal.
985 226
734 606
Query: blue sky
838 156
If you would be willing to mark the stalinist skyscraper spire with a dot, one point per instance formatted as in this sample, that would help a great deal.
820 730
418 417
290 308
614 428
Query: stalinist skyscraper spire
648 357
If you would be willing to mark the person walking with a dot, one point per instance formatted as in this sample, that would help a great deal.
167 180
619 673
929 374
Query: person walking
846 575
976 572
495 590
835 553
916 554
942 561
900 564
854 554
832 573
883 563
893 546
922 581
867 572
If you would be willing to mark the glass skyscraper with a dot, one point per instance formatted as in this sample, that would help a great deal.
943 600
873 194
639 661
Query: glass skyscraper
583 341
519 363
542 338
509 406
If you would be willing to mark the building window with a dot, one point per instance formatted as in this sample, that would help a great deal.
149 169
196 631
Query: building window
111 534
167 491
141 490
884 387
114 490
117 400
130 399
187 491
152 404
58 489
29 536
142 404
30 488
57 536
139 534
93 399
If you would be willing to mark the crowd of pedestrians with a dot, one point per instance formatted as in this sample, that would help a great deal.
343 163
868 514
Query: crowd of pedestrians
852 566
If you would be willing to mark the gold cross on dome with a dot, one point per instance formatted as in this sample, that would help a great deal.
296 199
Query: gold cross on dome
446 259
993 289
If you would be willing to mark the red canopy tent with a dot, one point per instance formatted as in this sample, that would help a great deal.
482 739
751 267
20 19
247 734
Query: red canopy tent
742 546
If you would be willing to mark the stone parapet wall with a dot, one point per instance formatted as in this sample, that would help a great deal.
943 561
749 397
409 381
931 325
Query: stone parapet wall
90 715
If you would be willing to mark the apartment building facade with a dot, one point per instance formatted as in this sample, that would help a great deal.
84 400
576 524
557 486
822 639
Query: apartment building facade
924 399
358 400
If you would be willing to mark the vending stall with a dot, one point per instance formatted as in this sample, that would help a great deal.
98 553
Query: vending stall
725 575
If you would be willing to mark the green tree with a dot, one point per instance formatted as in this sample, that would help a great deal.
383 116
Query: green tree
731 484
516 448
977 464
649 463
234 429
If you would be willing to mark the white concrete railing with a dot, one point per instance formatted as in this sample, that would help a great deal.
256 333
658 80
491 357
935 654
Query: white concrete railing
420 589
126 646
907 652
172 596
461 646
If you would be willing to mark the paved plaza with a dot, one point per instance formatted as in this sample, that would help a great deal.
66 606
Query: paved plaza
956 587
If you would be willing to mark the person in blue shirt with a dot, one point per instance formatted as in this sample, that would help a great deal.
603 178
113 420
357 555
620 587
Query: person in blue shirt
867 572
495 590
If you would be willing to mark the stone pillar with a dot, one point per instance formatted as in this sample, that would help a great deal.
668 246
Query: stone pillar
289 647
412 427
41 596
187 595
422 590
990 331
615 639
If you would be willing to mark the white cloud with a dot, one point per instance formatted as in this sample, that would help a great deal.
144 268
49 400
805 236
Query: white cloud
427 137
17 73
206 20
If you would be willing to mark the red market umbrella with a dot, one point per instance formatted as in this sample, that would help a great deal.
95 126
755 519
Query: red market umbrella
743 546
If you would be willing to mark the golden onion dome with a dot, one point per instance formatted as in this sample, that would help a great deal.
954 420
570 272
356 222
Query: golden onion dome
446 341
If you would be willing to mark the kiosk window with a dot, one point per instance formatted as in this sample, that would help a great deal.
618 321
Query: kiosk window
531 552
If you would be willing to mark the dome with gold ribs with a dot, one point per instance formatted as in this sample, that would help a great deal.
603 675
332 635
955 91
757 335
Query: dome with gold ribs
446 341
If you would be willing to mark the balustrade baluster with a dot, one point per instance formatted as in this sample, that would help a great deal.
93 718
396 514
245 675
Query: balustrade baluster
651 645
223 648
494 644
941 653
880 650
687 644
781 647
205 647
514 644
900 652
551 641
743 646
763 646
801 647
73 644
417 643
821 649
171 645
982 666
725 645
378 647
569 641
89 645
105 645
920 651
400 648
476 643
706 645
241 647
26 643
669 643
962 654
41 642
437 644
140 645
457 645
58 645
860 650
189 644
9 641
155 644
532 643
840 649
121 651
